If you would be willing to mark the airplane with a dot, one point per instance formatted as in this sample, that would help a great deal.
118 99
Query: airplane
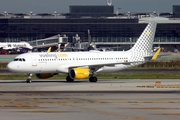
19 46
83 65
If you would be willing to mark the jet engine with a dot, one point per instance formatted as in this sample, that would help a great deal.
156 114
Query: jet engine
45 75
79 73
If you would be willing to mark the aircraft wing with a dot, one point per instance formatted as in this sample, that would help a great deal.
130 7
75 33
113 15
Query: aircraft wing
99 65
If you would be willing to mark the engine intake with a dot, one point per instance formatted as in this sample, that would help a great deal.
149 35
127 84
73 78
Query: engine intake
79 73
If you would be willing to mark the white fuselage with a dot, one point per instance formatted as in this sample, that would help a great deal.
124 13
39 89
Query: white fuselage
60 62
14 45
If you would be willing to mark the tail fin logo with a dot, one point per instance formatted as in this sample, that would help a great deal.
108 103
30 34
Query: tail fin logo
148 33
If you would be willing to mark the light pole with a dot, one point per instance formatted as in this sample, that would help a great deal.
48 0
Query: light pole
130 42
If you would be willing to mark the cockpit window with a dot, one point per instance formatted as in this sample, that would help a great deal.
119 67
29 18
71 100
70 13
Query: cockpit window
16 59
19 59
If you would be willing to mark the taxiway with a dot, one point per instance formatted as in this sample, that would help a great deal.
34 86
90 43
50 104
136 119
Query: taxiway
104 100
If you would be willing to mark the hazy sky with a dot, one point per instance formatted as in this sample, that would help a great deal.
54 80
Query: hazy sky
62 6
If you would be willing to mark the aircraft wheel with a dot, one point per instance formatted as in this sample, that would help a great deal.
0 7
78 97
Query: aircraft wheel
68 79
93 79
28 80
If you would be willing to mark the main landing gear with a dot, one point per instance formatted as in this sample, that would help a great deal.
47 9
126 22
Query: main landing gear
28 80
69 79
93 79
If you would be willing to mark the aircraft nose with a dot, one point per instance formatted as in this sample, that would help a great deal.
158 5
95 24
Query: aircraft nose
11 66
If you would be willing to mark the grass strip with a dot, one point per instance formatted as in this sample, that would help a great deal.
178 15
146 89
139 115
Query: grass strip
147 75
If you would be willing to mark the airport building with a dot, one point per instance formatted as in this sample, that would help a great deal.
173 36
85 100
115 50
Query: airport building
105 26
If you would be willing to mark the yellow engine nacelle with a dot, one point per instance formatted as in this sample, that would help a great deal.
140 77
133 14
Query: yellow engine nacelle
44 75
79 73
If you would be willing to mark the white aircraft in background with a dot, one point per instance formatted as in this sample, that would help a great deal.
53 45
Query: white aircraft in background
82 65
15 46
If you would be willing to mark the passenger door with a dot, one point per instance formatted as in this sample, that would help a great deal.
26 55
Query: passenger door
34 61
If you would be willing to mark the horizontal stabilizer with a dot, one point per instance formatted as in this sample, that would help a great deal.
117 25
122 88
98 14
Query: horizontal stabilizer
154 57
156 54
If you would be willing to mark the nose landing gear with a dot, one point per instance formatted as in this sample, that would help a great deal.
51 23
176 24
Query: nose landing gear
28 80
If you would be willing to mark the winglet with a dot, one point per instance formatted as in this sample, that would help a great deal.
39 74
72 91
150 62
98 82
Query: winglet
156 54
49 49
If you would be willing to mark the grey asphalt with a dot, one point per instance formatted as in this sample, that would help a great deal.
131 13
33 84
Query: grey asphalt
81 100
85 85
